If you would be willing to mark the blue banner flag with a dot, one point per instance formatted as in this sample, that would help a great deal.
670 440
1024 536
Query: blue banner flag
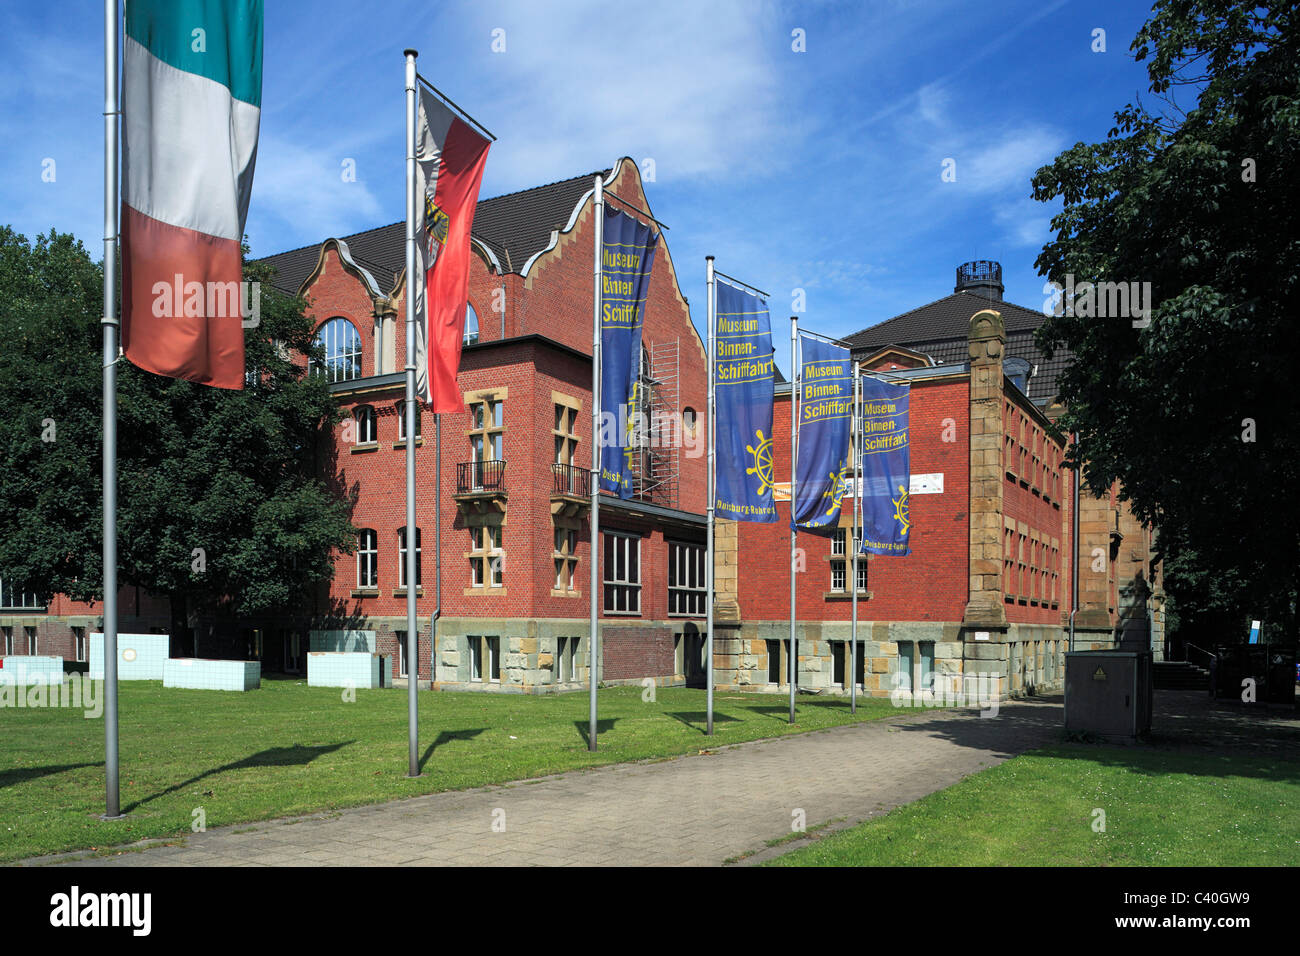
825 417
743 402
886 463
626 261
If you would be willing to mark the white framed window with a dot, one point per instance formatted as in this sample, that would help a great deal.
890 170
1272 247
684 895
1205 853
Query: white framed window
487 429
401 558
367 558
566 559
842 558
484 659
8 639
401 652
367 433
622 573
79 643
561 668
32 642
342 344
401 419
486 556
687 594
471 325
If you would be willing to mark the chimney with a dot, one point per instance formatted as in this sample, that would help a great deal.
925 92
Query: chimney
982 277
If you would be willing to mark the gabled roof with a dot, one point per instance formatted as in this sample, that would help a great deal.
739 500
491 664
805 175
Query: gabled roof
514 227
941 328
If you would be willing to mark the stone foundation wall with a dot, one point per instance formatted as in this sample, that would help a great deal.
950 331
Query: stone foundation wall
1022 659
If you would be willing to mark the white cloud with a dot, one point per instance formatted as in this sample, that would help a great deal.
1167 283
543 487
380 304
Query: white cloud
692 86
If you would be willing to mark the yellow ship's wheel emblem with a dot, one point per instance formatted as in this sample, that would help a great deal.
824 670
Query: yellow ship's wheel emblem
762 457
901 509
835 492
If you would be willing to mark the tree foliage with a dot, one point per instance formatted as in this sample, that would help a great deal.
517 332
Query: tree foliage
222 497
1196 414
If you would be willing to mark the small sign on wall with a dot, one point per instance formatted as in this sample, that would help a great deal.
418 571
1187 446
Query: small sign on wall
927 484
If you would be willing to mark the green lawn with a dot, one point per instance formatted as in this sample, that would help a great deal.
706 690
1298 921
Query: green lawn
289 749
1162 809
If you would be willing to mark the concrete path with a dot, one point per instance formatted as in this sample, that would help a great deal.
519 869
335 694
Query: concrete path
699 810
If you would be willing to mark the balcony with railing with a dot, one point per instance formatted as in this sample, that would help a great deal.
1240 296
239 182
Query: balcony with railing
570 490
481 485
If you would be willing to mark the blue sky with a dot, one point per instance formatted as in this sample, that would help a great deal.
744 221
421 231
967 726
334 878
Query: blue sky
818 170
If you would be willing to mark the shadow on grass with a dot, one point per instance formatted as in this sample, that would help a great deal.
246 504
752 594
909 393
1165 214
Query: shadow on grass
22 774
698 719
295 756
446 737
603 726
1187 731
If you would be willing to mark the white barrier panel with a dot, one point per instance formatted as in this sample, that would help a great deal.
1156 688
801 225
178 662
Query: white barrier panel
198 674
139 656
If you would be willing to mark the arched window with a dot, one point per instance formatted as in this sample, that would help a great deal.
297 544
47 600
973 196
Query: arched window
401 419
471 325
342 344
401 558
365 419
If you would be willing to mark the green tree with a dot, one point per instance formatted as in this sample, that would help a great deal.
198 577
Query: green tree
223 502
1195 414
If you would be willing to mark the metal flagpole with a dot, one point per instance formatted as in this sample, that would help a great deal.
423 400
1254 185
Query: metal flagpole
598 218
711 310
437 545
794 467
412 634
853 643
109 325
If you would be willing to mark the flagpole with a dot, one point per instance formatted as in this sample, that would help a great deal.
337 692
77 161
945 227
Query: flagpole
853 645
412 635
794 467
109 326
598 221
711 310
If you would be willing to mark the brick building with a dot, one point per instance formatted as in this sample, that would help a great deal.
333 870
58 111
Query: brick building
515 464
987 588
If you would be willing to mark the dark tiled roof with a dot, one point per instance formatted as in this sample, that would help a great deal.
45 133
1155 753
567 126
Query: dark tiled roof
514 226
940 330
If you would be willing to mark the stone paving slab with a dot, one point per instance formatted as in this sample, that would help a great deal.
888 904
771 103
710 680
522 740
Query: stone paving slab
689 811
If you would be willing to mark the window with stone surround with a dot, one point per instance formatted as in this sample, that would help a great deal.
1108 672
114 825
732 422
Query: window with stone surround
841 558
565 429
32 646
8 633
487 428
484 659
486 556
1009 560
566 659
566 559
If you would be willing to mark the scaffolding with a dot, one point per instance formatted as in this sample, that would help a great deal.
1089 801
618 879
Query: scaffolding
656 464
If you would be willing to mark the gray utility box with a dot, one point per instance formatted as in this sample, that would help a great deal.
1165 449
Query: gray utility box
1108 693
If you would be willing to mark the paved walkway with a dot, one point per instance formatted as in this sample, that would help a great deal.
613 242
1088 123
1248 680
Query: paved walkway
700 810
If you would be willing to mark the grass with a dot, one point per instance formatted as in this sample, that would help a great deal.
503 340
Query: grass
1161 808
290 749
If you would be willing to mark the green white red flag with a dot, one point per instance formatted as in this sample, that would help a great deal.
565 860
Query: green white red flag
192 105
